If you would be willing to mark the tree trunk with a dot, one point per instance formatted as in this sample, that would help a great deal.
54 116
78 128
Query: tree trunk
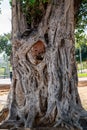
44 86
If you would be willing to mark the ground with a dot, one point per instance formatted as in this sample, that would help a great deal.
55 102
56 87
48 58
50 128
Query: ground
82 88
3 95
83 92
82 84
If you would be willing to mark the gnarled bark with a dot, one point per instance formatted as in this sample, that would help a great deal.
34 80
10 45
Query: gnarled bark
44 86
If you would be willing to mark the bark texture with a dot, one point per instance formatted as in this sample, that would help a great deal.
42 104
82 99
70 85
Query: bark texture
44 86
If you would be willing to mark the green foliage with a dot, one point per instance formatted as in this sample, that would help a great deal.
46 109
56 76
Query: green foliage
34 10
81 43
33 2
5 44
10 1
80 39
80 36
82 17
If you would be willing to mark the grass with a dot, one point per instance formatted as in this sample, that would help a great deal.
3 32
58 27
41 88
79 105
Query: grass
80 75
84 66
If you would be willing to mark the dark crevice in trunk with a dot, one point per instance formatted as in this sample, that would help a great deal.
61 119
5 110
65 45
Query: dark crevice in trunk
59 58
45 74
70 90
17 118
61 84
46 38
67 65
62 43
43 102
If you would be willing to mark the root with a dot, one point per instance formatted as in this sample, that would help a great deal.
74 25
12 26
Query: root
72 120
11 124
7 122
4 114
58 123
67 125
73 123
65 122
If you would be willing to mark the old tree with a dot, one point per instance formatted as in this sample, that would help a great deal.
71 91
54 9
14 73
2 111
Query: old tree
44 86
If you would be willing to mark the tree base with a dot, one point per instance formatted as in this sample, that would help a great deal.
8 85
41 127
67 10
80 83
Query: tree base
9 125
7 122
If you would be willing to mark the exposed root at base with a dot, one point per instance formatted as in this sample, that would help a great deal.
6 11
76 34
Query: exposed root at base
67 125
70 123
60 124
3 114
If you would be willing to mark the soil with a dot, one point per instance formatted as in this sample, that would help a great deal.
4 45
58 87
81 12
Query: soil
4 89
82 84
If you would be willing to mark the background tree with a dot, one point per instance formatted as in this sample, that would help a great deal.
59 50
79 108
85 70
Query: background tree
80 34
81 20
5 49
5 44
0 4
81 44
44 87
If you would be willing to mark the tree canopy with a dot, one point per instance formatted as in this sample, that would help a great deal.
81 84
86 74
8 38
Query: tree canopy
35 9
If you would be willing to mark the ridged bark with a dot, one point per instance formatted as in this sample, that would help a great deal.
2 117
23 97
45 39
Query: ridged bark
44 86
